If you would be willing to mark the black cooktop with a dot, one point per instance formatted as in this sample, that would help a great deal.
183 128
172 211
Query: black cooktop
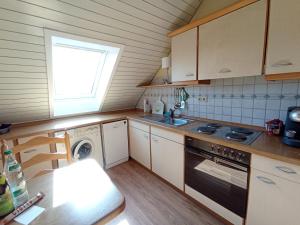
230 133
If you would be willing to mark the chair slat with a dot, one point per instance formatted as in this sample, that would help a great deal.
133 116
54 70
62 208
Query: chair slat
37 141
42 157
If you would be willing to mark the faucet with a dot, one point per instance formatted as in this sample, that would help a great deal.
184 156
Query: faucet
172 111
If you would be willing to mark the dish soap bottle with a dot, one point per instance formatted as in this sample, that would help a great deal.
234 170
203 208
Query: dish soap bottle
6 202
15 179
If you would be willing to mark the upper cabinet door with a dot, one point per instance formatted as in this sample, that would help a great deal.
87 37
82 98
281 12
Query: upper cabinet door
184 56
233 45
283 49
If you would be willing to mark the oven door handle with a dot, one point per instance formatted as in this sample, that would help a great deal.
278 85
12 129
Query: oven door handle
203 155
230 164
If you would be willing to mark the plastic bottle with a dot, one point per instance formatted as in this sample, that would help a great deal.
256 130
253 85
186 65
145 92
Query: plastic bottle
6 202
15 179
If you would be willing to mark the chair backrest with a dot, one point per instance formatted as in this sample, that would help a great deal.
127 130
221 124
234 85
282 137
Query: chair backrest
42 157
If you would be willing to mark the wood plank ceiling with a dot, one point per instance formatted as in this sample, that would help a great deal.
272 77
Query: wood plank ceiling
140 25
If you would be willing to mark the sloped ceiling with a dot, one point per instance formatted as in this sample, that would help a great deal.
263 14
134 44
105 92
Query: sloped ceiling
140 25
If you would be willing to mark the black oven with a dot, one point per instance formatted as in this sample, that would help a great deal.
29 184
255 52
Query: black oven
219 173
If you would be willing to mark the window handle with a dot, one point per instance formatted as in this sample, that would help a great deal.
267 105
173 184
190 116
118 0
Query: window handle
286 169
265 180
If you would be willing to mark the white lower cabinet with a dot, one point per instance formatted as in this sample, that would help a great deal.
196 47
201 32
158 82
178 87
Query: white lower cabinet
272 199
140 146
168 160
29 153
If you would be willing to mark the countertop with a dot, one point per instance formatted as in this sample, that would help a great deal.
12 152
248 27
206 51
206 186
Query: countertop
264 145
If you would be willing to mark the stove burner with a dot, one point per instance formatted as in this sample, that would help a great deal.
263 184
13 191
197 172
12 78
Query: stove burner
213 125
206 130
236 137
240 130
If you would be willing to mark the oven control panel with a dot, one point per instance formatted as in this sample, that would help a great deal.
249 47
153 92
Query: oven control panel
219 150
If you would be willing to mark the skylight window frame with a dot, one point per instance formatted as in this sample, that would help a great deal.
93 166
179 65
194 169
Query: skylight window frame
48 33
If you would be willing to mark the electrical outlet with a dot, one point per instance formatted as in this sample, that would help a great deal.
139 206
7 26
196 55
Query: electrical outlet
202 98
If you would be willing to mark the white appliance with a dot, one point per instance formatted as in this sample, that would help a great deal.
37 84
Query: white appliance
85 143
115 143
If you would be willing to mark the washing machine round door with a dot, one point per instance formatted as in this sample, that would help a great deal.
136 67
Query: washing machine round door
82 150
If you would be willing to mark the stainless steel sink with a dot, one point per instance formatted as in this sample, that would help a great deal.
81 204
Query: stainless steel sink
168 121
175 122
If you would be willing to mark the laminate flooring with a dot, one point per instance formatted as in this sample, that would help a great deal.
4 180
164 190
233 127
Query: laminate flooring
150 201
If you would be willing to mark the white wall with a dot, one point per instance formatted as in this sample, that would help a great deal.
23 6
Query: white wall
140 25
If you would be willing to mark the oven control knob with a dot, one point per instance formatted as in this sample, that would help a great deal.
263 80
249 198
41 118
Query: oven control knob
225 152
232 154
239 156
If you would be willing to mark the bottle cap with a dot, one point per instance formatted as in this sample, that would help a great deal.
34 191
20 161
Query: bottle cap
7 152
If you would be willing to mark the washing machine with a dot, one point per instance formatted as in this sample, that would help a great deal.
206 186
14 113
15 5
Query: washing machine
85 143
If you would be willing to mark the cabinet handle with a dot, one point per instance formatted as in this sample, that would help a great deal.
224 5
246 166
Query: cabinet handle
154 139
30 150
286 169
189 75
225 70
146 136
265 180
282 63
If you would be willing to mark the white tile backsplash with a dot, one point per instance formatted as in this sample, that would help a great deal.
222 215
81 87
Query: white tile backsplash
250 100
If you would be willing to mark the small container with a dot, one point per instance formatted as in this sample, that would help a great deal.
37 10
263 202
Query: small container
274 127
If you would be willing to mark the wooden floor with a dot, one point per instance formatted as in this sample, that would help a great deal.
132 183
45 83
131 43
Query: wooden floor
150 201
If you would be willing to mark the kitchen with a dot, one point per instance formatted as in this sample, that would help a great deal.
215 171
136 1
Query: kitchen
190 107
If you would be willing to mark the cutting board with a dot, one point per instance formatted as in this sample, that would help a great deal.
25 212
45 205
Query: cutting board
158 107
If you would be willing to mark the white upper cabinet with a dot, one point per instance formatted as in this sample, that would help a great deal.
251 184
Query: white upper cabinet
184 56
233 45
283 48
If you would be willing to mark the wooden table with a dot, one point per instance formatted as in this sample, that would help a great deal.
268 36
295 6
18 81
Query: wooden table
81 193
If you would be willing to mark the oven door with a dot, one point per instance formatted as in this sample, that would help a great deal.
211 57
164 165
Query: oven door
219 179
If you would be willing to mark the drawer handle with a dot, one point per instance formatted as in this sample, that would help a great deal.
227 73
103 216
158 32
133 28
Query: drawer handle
265 180
30 151
225 70
286 169
282 63
116 126
189 75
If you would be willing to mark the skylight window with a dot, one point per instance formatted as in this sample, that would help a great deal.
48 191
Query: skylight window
79 72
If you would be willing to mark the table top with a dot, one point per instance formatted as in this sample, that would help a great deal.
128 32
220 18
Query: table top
81 193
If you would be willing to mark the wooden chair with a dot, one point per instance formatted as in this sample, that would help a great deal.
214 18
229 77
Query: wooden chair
42 157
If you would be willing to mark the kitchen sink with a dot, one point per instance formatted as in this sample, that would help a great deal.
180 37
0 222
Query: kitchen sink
175 122
168 121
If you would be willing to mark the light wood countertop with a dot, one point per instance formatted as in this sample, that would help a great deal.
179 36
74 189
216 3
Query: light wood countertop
264 145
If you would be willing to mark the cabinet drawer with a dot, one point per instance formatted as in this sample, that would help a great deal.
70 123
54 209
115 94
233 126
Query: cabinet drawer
168 135
277 168
272 200
139 125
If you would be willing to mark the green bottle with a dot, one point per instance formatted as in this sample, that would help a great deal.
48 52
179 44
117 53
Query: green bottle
6 201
